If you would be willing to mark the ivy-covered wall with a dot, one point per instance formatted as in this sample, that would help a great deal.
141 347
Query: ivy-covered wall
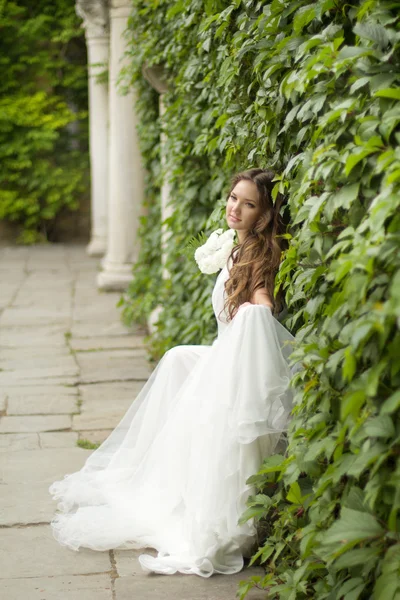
43 115
313 90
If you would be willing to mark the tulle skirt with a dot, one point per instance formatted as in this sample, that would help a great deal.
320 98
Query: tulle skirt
172 475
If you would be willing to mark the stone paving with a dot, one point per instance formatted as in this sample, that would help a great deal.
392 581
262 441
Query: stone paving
68 371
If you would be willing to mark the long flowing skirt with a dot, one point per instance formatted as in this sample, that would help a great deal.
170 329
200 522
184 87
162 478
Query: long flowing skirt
172 475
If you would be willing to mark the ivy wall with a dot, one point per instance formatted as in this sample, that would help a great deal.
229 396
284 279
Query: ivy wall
43 115
313 90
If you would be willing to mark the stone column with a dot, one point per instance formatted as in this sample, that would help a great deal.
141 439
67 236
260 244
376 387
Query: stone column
166 208
95 21
126 174
157 78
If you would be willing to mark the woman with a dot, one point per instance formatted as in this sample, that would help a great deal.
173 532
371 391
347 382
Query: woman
172 475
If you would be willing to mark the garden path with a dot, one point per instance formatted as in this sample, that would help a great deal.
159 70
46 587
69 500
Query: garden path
63 355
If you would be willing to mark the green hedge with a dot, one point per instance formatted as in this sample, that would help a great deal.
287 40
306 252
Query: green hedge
311 89
43 114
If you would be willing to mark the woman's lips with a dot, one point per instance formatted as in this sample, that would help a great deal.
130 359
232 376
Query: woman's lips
234 218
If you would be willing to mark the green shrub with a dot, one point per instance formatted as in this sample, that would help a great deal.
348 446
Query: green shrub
311 89
43 115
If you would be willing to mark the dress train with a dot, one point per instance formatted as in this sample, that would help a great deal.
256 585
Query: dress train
172 475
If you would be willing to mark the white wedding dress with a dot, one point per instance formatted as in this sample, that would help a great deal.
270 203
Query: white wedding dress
172 475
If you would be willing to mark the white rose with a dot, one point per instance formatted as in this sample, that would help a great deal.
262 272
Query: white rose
213 255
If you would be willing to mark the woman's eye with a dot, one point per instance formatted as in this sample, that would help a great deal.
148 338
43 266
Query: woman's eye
251 205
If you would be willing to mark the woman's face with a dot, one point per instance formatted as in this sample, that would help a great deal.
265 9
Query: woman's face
243 207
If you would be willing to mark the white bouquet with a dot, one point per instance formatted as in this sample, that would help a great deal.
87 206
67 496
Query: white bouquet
212 256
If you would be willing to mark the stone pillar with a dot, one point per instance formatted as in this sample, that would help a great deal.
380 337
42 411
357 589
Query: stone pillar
126 174
95 21
157 78
166 208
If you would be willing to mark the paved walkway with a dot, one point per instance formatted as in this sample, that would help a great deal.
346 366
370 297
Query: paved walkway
68 371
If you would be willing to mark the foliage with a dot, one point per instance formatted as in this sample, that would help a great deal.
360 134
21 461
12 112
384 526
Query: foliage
43 114
87 444
311 89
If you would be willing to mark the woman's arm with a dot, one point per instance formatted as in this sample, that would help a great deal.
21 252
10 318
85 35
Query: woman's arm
261 296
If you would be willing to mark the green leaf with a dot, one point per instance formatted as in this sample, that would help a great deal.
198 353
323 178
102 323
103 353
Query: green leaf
294 495
351 403
349 364
353 558
193 243
303 17
387 586
351 589
372 31
365 458
251 513
359 83
344 197
381 426
356 158
393 93
352 526
273 464
391 404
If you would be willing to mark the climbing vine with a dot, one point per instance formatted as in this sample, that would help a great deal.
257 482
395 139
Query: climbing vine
312 90
43 115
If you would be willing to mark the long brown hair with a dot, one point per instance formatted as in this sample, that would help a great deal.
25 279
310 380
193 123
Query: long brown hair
255 262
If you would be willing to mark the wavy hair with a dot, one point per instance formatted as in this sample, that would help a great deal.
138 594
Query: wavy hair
256 261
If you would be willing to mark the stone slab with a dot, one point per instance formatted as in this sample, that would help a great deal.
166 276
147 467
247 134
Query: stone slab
84 329
41 465
184 587
19 441
12 274
41 405
88 307
10 251
22 316
62 587
104 404
51 278
86 422
101 395
96 436
43 372
31 352
40 367
7 293
35 302
58 365
112 365
31 550
31 424
58 439
26 503
11 379
127 564
47 390
33 337
3 402
106 342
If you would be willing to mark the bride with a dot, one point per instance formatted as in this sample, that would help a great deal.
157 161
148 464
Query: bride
172 475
